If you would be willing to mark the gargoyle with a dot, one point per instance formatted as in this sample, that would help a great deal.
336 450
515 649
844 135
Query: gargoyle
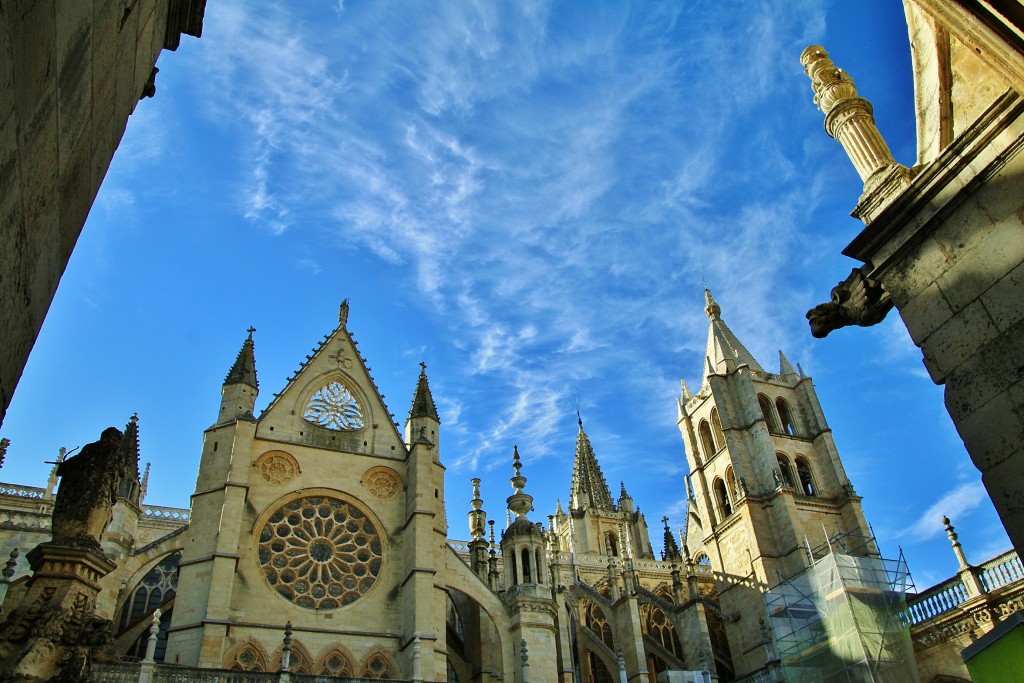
857 300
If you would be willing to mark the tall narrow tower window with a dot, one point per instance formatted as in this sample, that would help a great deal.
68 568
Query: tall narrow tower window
716 425
803 472
334 407
786 417
722 496
769 414
707 442
785 470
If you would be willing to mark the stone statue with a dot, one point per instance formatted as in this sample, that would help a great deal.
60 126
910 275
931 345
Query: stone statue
857 300
54 634
88 489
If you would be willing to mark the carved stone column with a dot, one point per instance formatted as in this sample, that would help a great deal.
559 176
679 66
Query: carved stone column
851 121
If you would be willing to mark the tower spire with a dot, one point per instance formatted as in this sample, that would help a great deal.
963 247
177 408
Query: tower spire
238 395
423 401
589 488
671 549
723 350
244 369
129 487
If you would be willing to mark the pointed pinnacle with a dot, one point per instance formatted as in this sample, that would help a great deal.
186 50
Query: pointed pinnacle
244 369
423 401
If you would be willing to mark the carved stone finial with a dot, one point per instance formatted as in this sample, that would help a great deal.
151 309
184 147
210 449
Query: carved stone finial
343 313
4 443
958 549
519 502
711 308
154 634
849 118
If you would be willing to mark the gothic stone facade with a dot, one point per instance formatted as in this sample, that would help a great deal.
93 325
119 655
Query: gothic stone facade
320 513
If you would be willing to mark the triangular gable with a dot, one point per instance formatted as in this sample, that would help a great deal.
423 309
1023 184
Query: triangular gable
331 401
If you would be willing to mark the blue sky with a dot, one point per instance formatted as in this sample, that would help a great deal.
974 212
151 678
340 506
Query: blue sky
528 196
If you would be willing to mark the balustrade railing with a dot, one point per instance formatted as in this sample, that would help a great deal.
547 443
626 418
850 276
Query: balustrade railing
172 514
1001 570
21 491
936 600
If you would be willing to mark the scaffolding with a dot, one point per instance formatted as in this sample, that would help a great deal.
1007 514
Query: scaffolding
840 620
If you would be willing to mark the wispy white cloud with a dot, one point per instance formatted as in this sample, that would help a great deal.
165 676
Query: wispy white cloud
956 503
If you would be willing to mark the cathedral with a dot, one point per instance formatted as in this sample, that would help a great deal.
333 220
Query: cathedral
319 530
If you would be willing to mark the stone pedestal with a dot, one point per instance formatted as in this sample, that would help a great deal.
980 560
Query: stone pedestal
54 634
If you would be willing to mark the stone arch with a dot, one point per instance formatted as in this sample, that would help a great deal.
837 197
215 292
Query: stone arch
787 420
722 498
247 655
805 478
377 664
769 414
591 654
301 662
707 441
137 566
716 429
461 578
785 470
335 661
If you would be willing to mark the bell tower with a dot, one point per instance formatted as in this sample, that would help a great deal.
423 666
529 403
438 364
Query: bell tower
765 479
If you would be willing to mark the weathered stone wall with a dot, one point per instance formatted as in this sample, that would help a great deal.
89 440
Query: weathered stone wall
70 75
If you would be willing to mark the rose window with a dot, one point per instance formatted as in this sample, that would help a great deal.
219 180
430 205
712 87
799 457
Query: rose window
320 552
334 407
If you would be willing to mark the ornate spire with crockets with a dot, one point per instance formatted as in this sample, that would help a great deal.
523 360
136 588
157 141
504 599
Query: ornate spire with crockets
244 369
671 549
589 488
423 402
723 347
129 487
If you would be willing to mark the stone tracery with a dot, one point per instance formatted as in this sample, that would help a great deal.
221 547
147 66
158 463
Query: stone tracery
334 407
320 552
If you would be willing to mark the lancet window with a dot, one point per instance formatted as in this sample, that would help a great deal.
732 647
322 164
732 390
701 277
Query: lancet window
769 414
722 496
786 417
803 472
707 441
785 470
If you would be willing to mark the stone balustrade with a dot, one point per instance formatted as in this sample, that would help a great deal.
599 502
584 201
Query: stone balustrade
998 572
160 512
1001 570
22 491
